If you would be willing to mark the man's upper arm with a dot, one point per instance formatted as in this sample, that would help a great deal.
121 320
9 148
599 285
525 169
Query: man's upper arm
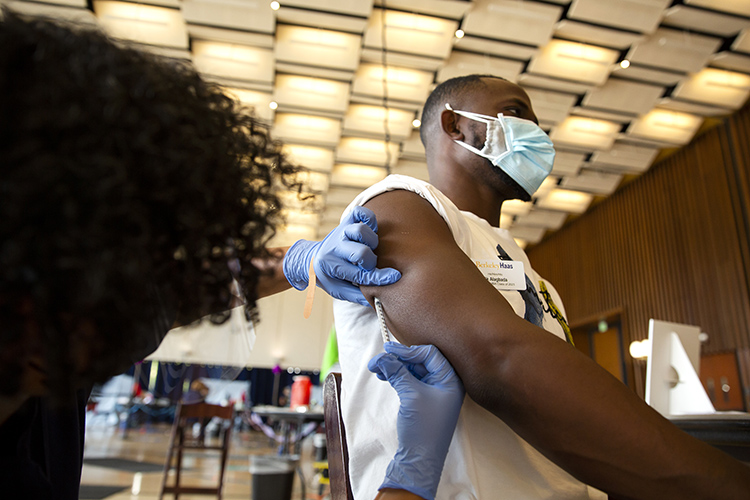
442 298
557 399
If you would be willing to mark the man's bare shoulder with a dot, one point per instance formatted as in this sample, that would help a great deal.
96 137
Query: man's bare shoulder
439 282
406 219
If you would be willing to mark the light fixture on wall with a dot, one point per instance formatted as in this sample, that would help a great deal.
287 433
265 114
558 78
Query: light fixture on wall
640 349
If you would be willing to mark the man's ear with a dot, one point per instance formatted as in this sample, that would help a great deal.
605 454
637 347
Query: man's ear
449 125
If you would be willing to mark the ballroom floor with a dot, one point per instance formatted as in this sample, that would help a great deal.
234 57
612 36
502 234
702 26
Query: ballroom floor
129 466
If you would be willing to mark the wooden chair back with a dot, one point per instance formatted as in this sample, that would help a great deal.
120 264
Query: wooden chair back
338 454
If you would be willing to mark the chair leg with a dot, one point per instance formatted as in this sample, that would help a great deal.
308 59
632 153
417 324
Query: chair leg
224 453
181 435
168 464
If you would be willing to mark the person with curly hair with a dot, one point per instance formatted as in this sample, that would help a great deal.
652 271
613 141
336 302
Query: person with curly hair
128 184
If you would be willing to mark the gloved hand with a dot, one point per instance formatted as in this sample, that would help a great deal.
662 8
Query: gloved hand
431 396
343 260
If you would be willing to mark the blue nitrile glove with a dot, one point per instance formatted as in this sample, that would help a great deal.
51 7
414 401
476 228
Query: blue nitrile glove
431 396
343 260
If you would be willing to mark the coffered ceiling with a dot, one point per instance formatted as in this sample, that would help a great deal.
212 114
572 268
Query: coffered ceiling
341 82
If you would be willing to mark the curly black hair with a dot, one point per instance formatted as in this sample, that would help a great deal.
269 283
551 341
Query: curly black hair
127 183
454 91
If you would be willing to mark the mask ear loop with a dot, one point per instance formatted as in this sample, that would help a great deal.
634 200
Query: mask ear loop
487 120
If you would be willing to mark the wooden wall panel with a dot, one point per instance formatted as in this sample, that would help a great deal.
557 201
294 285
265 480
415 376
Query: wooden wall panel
671 245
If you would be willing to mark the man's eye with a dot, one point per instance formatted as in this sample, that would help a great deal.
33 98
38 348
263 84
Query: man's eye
513 111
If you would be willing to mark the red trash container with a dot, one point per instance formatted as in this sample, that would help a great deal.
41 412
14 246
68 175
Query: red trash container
301 391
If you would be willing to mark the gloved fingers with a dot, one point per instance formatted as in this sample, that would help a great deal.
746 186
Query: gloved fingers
361 233
389 367
344 291
437 369
357 253
374 367
411 356
364 215
376 277
341 270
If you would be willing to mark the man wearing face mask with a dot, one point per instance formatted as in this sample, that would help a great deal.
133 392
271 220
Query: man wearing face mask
540 420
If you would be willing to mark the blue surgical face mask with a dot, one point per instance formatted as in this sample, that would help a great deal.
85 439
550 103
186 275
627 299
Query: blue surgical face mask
518 147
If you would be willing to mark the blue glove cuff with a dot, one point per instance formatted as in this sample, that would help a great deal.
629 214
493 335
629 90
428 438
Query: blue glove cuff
297 263
411 489
421 477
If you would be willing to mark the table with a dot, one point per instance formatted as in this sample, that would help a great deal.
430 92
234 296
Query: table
291 422
727 431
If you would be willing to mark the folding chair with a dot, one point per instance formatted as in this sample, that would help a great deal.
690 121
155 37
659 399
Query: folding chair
179 442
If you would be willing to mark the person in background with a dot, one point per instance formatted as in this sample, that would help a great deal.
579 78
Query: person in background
128 183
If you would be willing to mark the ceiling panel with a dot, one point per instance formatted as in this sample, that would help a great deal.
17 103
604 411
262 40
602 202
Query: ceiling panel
264 40
258 102
317 47
641 16
341 196
358 176
239 62
313 181
566 200
592 181
142 23
666 126
585 133
417 169
599 114
551 107
739 7
550 83
60 10
312 157
543 218
530 234
307 129
301 92
645 74
684 17
516 207
625 158
323 20
623 96
246 16
614 81
410 33
567 163
742 42
367 151
358 8
452 9
693 108
674 50
412 148
401 84
715 87
528 23
596 35
370 121
731 61
494 47
573 61
466 63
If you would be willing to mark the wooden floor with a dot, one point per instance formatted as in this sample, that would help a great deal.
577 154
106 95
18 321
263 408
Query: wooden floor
134 468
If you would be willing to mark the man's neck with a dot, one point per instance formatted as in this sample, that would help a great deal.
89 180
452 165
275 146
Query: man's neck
470 196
